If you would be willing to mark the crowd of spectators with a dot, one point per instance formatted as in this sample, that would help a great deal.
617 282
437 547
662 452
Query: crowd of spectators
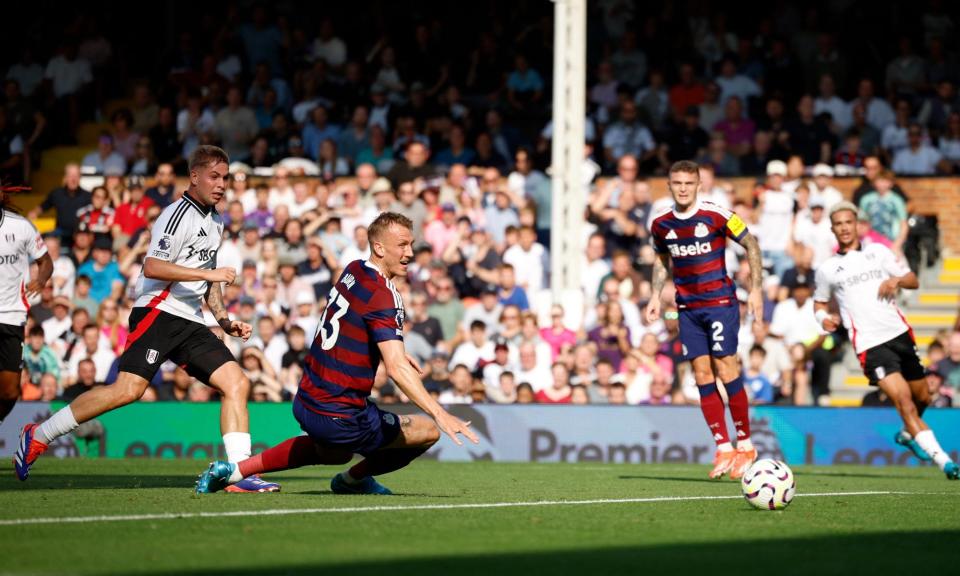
328 127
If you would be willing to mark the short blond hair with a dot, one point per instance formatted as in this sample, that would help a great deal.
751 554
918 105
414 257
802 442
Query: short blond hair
207 155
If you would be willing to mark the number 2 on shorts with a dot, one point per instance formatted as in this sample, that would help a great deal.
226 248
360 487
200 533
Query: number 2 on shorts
717 331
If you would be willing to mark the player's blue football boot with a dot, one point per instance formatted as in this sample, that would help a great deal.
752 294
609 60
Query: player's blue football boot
253 484
952 471
366 486
28 450
215 477
905 440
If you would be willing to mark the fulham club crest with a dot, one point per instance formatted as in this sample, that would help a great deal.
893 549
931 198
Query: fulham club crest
152 356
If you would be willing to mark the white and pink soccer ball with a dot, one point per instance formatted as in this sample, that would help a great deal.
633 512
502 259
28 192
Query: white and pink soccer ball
769 485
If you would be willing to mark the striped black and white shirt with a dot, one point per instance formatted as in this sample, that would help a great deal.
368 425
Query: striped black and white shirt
188 234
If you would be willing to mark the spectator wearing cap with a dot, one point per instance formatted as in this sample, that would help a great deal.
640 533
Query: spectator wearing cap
104 274
814 232
776 218
886 212
442 232
919 158
794 323
822 186
530 261
59 324
941 394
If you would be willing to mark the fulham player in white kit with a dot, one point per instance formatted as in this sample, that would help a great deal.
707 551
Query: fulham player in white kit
179 271
20 244
865 281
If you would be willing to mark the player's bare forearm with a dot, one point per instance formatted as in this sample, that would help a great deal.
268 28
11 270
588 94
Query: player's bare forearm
909 281
214 298
157 269
409 382
660 274
44 271
755 259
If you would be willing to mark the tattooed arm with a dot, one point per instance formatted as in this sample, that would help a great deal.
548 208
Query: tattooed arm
214 298
754 258
660 273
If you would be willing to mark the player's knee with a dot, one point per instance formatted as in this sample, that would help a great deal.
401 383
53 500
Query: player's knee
703 375
127 392
431 436
236 387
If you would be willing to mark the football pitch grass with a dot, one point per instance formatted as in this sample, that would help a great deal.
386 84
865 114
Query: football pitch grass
141 517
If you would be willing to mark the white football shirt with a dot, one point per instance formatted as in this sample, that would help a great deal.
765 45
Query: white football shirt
20 244
187 234
854 278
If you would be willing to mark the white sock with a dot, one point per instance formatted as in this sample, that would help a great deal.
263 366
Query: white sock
725 447
56 426
745 443
237 445
348 478
929 443
235 476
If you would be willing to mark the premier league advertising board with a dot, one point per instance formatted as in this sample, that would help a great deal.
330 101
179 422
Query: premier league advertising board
604 434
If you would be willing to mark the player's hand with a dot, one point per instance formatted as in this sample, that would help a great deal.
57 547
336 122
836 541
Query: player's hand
831 323
227 275
416 365
653 310
237 329
451 426
33 288
888 289
755 306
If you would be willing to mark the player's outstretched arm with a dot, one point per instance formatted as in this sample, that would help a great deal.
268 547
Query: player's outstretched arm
661 267
44 271
755 259
404 373
157 269
214 299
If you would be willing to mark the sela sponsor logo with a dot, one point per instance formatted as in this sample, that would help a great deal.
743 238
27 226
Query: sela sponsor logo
695 249
9 259
869 275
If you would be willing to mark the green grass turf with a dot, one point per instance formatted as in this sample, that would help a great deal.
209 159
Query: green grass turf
826 535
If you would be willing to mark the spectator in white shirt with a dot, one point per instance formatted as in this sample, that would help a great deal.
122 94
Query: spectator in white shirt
827 101
733 84
529 260
918 158
594 268
822 186
476 348
90 348
105 160
462 386
273 345
776 218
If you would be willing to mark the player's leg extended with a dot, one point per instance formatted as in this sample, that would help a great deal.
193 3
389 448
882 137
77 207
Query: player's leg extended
9 392
711 405
293 453
234 388
34 438
416 435
902 393
727 369
921 399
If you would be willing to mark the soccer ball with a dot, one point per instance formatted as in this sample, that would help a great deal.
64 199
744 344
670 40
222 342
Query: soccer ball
769 485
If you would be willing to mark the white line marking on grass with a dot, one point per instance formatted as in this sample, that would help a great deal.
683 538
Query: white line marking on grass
400 508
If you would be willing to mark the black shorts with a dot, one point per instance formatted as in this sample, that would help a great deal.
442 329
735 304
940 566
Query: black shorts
897 355
11 348
156 336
